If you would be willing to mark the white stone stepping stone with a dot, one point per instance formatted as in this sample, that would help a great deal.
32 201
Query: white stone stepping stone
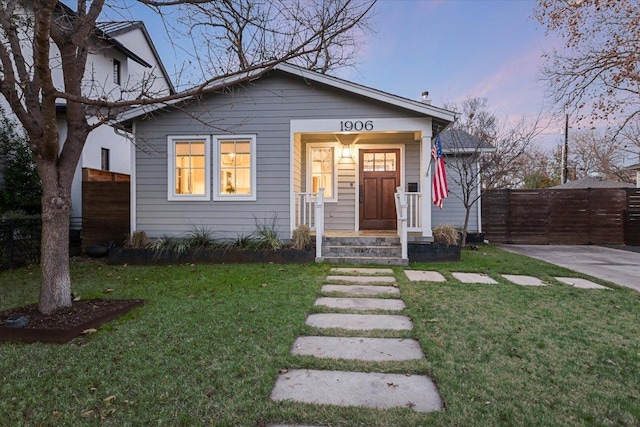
362 280
524 280
361 303
371 390
474 278
581 283
358 348
356 290
288 425
346 270
424 276
364 322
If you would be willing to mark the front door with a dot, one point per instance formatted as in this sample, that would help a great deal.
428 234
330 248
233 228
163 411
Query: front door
379 177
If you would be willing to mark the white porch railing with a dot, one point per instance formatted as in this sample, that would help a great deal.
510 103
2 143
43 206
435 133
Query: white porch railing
309 211
401 212
414 211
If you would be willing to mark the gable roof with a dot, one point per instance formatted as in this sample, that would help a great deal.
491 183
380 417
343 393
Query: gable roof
592 182
441 117
115 28
458 140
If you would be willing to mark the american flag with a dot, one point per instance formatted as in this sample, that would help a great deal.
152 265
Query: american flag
440 189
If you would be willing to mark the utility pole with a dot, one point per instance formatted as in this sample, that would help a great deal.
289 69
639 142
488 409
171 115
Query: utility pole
565 165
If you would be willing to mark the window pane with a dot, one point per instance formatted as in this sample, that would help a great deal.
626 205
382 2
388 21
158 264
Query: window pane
243 147
322 170
190 167
367 159
235 168
390 163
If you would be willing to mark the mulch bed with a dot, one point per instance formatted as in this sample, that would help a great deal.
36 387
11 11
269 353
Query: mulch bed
66 324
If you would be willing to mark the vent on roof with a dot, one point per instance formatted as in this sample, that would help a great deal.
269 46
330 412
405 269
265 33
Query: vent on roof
425 97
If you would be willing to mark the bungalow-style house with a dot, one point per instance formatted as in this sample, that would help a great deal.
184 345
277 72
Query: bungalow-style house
294 147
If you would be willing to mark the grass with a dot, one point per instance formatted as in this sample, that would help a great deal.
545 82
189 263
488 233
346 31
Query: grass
207 347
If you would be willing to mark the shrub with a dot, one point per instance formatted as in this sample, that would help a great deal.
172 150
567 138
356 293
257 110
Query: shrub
446 234
266 234
137 239
301 238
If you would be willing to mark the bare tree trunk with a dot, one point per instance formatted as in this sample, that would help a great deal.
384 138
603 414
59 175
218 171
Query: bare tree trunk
463 238
55 282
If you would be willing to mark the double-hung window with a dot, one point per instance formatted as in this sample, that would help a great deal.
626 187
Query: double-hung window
235 163
189 168
321 170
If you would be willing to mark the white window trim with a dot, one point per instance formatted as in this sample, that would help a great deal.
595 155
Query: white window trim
219 197
171 177
336 148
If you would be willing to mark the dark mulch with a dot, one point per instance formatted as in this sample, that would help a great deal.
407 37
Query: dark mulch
65 324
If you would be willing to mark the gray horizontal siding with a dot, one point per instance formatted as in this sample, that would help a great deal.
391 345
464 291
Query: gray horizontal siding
453 210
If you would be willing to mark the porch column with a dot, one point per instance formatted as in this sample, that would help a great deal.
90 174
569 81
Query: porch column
425 185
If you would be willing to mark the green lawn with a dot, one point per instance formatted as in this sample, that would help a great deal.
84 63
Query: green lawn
207 346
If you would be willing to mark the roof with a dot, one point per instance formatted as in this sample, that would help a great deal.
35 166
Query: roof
592 182
458 140
441 117
115 28
102 35
635 167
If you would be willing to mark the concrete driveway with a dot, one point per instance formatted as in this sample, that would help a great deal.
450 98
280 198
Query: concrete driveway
615 265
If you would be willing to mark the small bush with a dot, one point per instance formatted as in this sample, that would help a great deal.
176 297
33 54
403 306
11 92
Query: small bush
138 240
266 234
301 238
446 234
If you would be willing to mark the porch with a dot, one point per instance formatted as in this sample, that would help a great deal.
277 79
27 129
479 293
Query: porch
386 247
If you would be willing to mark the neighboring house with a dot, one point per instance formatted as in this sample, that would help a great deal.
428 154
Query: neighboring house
456 144
121 64
263 150
591 182
636 169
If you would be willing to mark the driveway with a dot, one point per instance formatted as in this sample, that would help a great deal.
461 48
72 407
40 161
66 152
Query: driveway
615 265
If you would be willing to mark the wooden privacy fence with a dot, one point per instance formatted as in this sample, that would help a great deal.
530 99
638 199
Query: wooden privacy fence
570 217
105 207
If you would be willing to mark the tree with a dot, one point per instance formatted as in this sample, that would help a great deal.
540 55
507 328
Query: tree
489 157
596 153
597 72
33 31
20 187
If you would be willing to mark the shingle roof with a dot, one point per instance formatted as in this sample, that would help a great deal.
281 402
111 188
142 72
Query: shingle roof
592 182
460 140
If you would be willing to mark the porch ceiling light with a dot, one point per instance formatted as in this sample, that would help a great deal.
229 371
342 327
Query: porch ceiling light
346 151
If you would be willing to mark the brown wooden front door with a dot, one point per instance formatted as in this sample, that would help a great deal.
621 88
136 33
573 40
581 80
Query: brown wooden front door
379 177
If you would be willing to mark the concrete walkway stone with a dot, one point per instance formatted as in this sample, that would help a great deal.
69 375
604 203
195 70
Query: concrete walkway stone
361 303
360 322
362 280
524 280
358 348
474 278
580 283
424 276
361 290
372 390
372 271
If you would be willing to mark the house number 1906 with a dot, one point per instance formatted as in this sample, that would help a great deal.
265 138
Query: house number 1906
357 125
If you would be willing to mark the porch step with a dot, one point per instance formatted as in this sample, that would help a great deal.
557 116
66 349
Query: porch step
365 260
382 250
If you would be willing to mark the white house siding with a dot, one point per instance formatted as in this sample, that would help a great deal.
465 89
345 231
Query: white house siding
264 108
453 210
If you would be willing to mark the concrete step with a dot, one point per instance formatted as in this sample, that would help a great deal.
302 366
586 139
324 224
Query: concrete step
360 322
363 271
361 241
361 290
367 251
361 280
366 260
361 304
371 390
358 348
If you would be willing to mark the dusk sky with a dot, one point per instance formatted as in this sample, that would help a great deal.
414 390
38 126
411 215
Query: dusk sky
455 49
